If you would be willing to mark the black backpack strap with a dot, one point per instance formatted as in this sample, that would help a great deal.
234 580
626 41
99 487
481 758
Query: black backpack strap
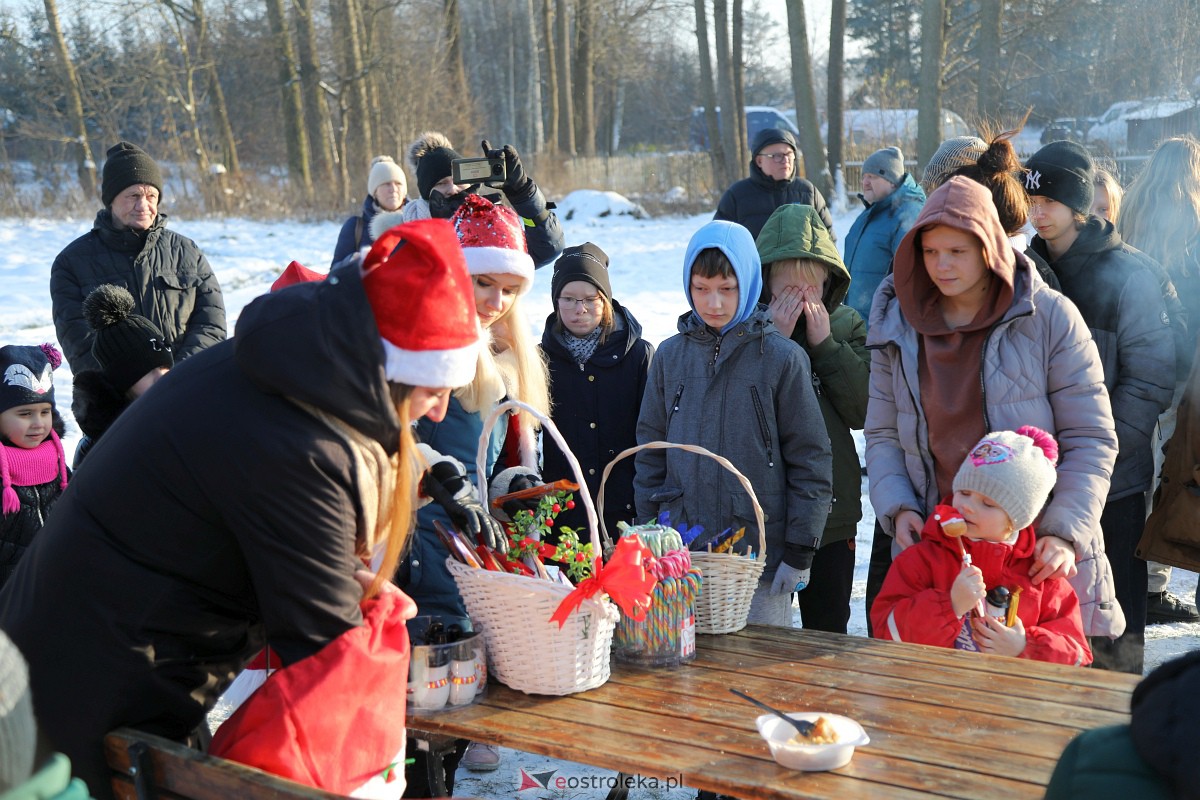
358 226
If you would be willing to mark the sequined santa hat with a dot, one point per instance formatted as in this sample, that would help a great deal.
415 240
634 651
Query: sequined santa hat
493 240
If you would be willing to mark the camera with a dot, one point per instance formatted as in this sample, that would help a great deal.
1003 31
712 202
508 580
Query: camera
478 170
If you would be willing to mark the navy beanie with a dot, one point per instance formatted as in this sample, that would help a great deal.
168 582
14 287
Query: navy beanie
585 262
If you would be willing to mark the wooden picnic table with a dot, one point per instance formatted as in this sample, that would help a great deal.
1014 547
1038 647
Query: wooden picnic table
942 723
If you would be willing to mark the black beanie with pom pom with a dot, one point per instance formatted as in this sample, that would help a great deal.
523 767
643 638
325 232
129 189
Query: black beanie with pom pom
127 345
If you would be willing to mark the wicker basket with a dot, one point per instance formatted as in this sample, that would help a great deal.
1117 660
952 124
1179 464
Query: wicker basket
527 651
729 580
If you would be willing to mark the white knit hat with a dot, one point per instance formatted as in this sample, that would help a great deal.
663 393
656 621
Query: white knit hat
385 170
1016 470
18 732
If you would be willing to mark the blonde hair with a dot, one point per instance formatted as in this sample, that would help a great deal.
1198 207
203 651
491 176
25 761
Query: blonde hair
1105 180
1161 215
511 365
403 506
809 268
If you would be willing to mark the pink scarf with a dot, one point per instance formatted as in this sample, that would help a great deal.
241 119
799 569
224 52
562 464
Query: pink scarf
32 467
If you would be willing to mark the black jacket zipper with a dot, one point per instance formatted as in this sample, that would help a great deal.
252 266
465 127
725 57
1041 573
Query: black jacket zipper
762 425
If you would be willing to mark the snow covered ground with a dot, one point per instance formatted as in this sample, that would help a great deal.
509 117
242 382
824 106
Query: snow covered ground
646 256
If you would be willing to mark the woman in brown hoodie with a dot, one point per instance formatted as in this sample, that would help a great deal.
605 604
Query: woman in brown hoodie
966 338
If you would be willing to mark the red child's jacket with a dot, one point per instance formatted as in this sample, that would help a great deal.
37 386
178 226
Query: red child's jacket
914 603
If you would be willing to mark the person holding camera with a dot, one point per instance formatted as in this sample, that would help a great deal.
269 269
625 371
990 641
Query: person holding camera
432 159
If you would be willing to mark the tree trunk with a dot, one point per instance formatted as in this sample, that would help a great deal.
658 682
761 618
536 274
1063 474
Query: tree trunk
988 84
566 110
316 111
806 100
533 85
835 92
585 132
733 117
356 115
216 101
292 102
929 94
739 84
85 167
716 152
551 76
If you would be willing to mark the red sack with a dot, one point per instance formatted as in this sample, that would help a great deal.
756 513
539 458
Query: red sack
334 720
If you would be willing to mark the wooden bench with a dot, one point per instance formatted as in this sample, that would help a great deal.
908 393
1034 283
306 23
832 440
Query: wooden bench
150 767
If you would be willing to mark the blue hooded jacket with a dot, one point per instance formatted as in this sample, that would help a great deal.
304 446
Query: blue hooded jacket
738 246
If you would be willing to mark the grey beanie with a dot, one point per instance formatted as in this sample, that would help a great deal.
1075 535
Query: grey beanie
18 732
888 162
1015 469
952 154
1062 171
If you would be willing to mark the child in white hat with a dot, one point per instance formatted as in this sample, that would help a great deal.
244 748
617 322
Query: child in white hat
946 589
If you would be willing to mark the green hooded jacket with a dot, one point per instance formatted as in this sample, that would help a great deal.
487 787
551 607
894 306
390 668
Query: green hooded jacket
840 364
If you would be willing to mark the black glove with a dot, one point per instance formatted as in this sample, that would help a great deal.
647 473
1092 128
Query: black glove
523 481
516 183
446 482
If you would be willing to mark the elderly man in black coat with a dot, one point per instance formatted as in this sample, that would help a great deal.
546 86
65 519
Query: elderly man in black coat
129 245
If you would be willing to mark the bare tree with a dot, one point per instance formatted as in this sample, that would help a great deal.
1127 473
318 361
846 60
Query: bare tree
988 84
552 137
354 103
85 167
583 75
836 87
566 108
806 100
716 150
929 96
734 117
293 104
742 156
533 82
316 111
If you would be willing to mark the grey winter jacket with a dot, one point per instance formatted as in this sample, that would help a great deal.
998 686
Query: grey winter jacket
1122 303
747 396
1041 368
170 280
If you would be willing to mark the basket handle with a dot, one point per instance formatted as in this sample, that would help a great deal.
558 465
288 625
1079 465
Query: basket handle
549 426
691 448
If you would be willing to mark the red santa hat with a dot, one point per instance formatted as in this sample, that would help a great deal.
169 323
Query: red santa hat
493 240
296 273
417 284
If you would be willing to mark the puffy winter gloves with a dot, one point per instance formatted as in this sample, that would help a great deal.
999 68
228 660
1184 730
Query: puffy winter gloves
795 570
447 483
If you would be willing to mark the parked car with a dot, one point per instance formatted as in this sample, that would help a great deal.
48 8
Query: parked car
1111 131
757 118
1073 128
867 129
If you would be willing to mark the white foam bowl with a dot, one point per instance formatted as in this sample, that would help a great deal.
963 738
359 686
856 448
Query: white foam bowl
811 757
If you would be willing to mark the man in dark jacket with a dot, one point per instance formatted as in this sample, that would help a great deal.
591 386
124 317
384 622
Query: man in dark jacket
129 245
774 181
1120 300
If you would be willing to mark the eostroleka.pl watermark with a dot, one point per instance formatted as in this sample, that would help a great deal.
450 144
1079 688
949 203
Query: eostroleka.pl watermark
548 779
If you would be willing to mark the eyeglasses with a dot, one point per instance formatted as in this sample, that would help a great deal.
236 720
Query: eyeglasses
779 158
586 303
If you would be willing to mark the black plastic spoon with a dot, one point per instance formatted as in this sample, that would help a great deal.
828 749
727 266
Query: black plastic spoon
803 727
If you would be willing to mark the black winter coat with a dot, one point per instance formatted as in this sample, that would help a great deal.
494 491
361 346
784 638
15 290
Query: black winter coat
1119 296
355 232
17 530
170 280
750 201
596 407
215 516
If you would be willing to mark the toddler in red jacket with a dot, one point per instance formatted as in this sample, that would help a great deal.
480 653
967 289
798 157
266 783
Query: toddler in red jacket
943 590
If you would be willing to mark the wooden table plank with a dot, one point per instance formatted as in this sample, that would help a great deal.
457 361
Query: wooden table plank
941 723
